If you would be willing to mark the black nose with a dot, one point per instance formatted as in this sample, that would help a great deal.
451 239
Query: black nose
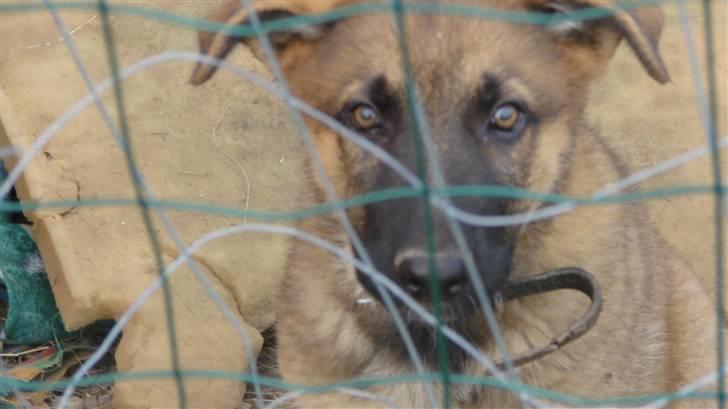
413 270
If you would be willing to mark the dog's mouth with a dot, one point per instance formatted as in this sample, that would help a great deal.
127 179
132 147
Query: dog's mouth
457 314
454 312
450 310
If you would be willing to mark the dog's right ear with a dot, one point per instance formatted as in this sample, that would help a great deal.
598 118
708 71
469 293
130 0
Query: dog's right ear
233 13
640 22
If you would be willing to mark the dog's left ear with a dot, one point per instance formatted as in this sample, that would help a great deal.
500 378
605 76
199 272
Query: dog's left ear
639 22
233 13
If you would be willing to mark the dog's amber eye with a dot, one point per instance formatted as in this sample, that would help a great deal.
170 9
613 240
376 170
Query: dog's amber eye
507 122
506 118
365 117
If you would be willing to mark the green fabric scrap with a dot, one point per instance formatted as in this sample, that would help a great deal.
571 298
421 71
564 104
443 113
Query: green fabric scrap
32 316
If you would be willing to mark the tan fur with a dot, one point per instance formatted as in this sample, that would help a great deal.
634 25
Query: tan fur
656 331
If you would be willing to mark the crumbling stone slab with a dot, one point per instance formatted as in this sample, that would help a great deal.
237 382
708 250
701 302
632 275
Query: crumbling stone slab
226 143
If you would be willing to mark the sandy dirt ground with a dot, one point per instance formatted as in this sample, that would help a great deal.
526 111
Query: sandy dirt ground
229 144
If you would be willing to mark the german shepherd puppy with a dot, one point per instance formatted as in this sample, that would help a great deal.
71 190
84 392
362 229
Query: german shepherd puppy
504 103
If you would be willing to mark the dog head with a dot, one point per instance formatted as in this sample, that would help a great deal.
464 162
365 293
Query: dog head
502 101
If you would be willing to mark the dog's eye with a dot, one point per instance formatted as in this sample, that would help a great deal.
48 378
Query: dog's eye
506 117
365 117
507 121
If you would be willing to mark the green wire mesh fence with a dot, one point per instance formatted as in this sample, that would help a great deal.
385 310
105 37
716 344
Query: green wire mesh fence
432 195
